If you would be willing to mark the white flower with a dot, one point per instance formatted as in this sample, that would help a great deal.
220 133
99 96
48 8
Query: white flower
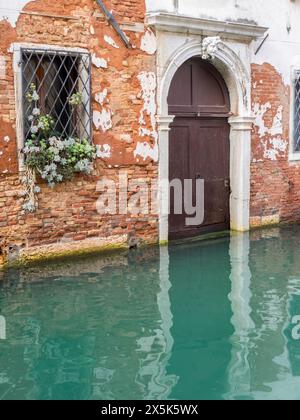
53 141
69 142
60 145
37 190
29 206
35 96
84 166
54 150
36 112
56 158
30 118
34 129
31 149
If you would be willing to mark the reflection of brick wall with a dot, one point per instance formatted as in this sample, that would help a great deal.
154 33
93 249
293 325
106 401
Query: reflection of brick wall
275 182
69 211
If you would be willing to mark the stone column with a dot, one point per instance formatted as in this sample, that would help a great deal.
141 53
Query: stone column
163 129
240 158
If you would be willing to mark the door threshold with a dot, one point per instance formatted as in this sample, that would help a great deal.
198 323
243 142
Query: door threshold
201 238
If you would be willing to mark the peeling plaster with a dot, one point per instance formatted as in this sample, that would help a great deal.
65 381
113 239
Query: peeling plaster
144 149
101 96
2 67
277 128
103 151
149 42
259 112
11 10
270 137
103 119
99 62
279 147
110 41
126 138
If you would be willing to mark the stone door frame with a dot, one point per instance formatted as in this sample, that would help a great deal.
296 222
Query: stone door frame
179 41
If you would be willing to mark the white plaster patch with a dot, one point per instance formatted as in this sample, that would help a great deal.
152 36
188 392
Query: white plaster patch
101 96
271 139
110 41
103 151
277 128
259 112
2 67
92 30
6 139
278 147
11 10
126 138
103 119
99 62
149 42
144 149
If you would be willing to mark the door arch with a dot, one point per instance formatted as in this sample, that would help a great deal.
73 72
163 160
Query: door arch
199 145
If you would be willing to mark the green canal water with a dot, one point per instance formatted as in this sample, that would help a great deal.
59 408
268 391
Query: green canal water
203 320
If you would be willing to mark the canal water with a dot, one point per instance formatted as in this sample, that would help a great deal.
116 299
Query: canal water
200 320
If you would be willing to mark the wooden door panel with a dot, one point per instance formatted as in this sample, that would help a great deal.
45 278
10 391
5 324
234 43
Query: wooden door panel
182 99
179 158
199 144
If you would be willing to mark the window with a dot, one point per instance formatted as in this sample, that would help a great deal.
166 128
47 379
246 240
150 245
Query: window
59 78
296 113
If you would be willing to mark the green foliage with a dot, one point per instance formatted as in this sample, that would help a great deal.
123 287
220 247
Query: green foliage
47 154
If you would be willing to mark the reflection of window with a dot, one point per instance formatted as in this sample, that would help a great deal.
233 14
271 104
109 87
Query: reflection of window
296 111
57 76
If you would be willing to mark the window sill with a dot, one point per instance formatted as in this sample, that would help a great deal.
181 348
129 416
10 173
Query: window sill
294 157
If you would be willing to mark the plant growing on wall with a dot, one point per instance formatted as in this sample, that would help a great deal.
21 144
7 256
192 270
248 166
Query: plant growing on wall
48 155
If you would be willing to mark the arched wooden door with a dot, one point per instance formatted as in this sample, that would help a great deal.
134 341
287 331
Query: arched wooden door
199 144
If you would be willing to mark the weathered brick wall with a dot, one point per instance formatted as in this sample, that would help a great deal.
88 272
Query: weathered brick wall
68 212
275 181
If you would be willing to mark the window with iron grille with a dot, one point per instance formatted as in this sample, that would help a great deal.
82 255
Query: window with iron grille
296 131
59 78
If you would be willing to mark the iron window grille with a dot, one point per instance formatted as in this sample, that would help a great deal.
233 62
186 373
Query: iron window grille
57 76
297 112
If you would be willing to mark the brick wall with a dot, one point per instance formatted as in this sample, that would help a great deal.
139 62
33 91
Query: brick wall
68 212
275 182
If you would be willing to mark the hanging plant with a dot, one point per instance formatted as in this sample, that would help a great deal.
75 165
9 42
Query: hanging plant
53 158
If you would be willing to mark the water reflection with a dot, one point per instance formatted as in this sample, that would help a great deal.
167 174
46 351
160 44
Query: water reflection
261 358
208 320
239 372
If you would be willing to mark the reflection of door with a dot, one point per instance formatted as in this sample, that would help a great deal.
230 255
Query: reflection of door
199 144
201 330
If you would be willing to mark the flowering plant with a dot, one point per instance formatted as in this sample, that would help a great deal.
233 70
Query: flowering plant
53 158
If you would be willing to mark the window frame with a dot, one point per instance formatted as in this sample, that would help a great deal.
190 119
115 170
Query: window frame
295 75
16 49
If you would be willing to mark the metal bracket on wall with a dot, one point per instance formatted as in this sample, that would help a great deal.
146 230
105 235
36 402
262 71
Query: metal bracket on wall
111 19
261 44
